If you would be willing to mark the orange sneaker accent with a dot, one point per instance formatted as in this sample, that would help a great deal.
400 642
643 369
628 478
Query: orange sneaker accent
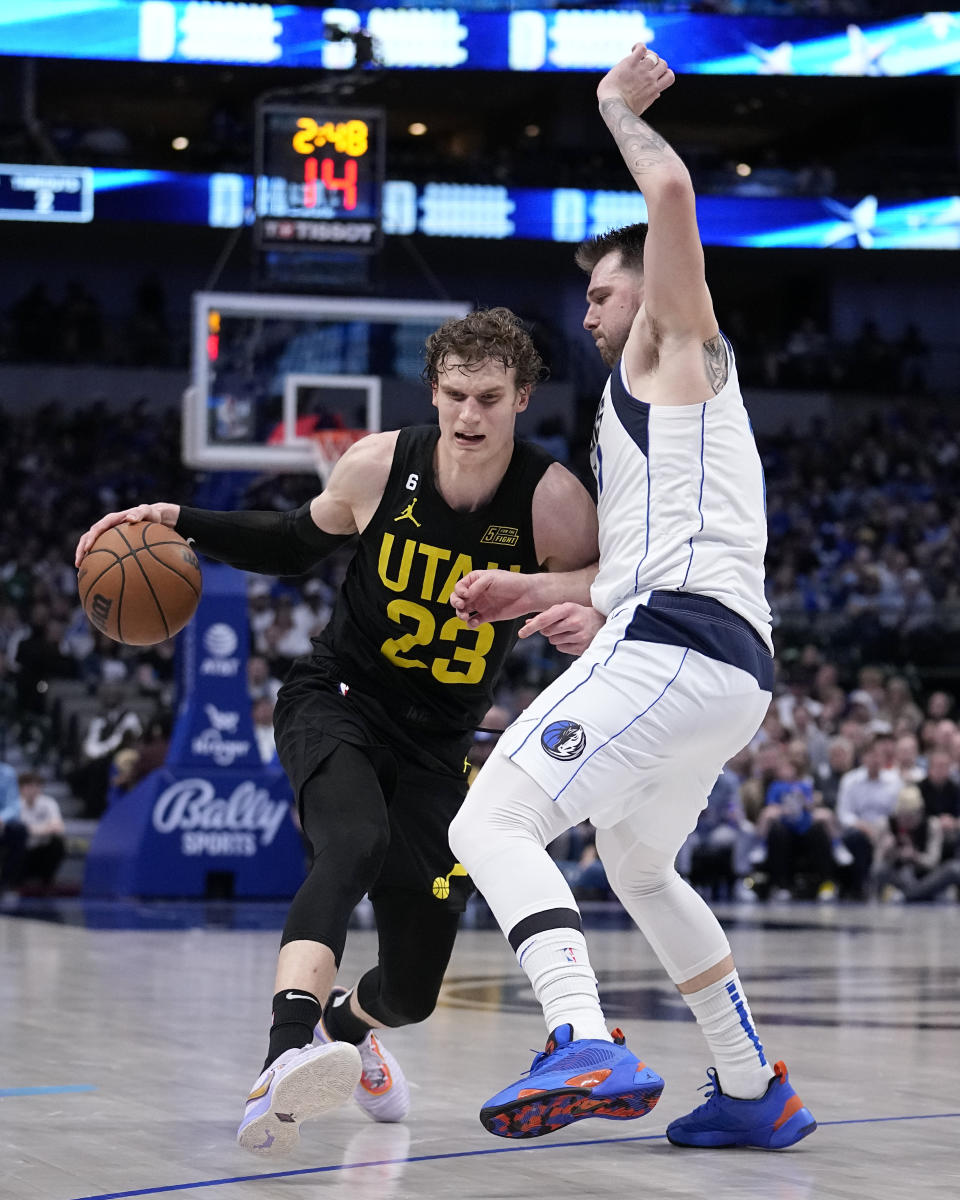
794 1104
385 1082
525 1092
589 1079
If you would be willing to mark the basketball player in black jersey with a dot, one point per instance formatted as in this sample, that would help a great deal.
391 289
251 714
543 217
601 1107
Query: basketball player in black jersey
374 726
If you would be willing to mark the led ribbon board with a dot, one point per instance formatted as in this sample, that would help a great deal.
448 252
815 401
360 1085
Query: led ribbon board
528 39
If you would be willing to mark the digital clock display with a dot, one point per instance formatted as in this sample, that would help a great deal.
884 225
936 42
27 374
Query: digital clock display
319 177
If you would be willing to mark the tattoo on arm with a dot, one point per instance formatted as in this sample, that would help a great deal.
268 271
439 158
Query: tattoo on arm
643 149
715 361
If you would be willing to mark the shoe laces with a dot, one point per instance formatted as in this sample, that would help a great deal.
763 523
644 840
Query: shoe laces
711 1089
556 1052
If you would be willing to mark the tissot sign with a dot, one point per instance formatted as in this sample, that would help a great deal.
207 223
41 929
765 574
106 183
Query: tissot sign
213 813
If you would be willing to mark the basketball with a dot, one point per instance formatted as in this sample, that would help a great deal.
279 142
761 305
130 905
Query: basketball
441 888
139 583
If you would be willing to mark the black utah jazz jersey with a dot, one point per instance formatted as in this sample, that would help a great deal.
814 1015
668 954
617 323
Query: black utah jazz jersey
394 636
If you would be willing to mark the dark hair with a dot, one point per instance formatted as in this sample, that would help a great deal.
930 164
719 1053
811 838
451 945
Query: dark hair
489 334
27 777
628 242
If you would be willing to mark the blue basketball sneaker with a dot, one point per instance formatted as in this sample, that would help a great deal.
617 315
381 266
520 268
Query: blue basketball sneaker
776 1120
571 1080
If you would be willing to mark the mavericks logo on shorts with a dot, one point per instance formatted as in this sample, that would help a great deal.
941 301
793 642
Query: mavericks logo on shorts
564 739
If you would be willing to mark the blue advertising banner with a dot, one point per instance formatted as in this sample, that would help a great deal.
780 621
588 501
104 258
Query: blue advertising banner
214 820
184 833
757 216
214 727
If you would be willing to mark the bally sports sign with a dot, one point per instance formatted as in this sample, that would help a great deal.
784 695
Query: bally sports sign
210 824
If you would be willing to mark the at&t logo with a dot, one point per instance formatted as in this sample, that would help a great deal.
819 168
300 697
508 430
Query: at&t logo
220 642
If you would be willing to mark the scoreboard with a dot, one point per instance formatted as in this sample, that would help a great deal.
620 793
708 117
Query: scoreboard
319 176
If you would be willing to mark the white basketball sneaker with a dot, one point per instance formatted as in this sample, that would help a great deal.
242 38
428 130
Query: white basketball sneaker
383 1092
300 1084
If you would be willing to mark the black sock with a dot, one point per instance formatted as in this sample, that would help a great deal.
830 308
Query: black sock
341 1024
295 1014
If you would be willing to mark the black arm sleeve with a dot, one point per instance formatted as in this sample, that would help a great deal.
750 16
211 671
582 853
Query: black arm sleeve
270 543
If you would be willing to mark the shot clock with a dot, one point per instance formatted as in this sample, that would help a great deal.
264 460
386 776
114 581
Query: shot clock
319 177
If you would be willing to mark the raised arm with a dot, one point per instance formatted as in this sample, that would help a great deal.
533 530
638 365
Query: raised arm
677 304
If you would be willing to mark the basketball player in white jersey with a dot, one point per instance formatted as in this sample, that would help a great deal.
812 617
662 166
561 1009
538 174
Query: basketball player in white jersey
675 676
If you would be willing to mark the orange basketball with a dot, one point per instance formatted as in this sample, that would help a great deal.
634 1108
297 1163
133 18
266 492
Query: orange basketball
139 583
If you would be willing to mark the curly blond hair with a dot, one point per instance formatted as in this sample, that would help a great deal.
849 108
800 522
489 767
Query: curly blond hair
487 335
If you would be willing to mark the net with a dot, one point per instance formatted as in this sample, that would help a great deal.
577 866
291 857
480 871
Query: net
329 445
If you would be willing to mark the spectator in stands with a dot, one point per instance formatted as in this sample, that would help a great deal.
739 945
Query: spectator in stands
151 748
840 759
909 849
123 774
261 684
939 705
114 727
46 834
318 598
13 834
39 660
816 743
941 797
866 799
799 857
898 704
260 610
907 761
262 714
288 638
942 879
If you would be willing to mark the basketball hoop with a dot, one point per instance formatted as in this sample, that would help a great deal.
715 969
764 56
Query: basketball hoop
329 445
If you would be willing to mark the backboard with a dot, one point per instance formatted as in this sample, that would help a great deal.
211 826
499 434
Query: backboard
267 371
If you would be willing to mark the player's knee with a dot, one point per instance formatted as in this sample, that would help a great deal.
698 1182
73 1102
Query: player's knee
353 854
410 1009
638 872
406 1002
503 805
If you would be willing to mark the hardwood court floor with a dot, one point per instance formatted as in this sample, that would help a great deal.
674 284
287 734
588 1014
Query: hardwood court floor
127 1053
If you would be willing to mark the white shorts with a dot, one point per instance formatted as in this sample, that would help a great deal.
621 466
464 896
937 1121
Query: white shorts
642 723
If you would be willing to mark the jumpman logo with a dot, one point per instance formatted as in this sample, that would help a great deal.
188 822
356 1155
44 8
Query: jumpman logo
407 514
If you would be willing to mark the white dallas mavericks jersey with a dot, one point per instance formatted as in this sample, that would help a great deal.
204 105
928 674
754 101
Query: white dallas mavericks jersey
680 499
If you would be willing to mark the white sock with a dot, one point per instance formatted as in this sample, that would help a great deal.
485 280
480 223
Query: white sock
724 1017
558 967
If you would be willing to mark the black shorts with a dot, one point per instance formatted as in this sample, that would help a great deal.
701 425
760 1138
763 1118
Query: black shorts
421 784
